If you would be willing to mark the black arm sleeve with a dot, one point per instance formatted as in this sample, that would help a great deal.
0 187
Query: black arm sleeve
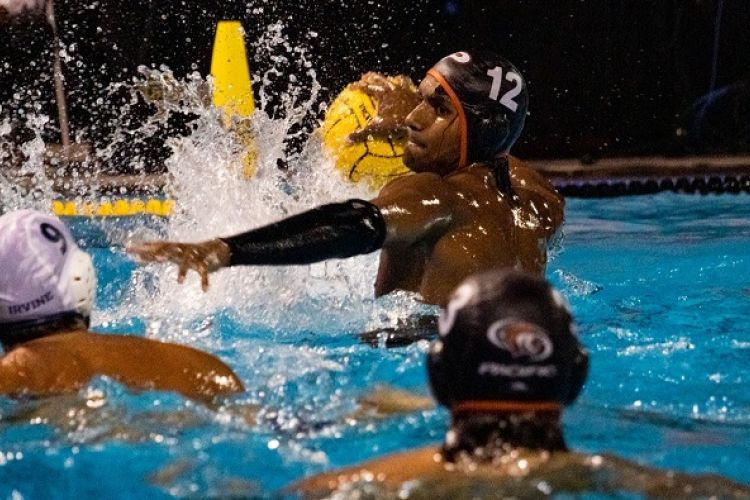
330 231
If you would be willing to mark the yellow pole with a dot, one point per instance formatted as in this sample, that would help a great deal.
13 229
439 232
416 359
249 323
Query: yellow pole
231 74
233 89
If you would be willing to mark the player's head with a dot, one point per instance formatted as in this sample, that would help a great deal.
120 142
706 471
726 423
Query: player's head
46 279
487 102
507 340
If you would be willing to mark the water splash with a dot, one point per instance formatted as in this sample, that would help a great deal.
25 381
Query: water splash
24 180
575 286
213 198
16 7
266 308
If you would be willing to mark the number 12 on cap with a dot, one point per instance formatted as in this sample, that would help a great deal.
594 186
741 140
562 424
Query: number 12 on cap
497 79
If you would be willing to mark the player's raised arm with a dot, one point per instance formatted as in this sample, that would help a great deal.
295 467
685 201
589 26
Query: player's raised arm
396 97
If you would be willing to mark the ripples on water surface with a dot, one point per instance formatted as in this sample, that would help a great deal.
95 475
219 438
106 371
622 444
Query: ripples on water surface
663 310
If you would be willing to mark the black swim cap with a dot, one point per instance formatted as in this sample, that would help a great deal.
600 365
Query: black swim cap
490 97
506 336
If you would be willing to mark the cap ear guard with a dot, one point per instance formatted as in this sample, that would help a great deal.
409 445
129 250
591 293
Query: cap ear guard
579 366
442 378
578 373
47 282
436 373
80 278
486 128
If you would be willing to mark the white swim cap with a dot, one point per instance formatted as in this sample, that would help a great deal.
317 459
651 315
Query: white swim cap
43 273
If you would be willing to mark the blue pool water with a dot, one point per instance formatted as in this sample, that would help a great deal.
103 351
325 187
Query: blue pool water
659 285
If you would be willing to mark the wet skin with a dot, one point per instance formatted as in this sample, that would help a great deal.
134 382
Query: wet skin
66 361
443 224
516 473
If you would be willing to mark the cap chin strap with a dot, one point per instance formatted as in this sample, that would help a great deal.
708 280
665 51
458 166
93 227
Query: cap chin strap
464 407
501 169
25 331
463 125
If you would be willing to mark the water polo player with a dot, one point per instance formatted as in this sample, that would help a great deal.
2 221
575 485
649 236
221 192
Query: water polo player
462 211
47 290
506 362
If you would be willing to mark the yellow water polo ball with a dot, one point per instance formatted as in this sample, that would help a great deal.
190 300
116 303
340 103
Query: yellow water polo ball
375 161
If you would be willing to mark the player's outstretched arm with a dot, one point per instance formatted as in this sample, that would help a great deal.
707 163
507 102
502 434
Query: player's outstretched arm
336 230
405 212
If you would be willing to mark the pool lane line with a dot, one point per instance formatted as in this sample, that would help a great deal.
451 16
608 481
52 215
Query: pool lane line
113 208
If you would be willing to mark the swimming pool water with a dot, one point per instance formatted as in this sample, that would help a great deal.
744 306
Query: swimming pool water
659 286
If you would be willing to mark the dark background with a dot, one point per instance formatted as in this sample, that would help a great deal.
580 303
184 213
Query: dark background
606 78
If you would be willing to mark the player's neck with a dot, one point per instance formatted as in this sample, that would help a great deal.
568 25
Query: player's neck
459 169
489 435
491 165
15 335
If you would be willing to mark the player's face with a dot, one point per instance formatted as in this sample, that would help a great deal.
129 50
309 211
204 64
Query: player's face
433 142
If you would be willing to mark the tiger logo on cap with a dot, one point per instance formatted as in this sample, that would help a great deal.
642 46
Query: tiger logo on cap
521 338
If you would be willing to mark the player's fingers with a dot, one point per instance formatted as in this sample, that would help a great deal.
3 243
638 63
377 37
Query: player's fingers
358 136
371 76
371 90
378 79
160 251
204 277
181 273
376 90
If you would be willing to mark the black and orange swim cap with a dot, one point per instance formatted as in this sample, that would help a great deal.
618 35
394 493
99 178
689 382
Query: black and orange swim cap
491 99
506 337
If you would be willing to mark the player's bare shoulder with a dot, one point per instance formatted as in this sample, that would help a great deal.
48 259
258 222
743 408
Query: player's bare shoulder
536 193
525 178
412 182
416 188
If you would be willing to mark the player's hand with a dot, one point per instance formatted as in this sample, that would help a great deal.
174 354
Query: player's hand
396 97
203 258
386 400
